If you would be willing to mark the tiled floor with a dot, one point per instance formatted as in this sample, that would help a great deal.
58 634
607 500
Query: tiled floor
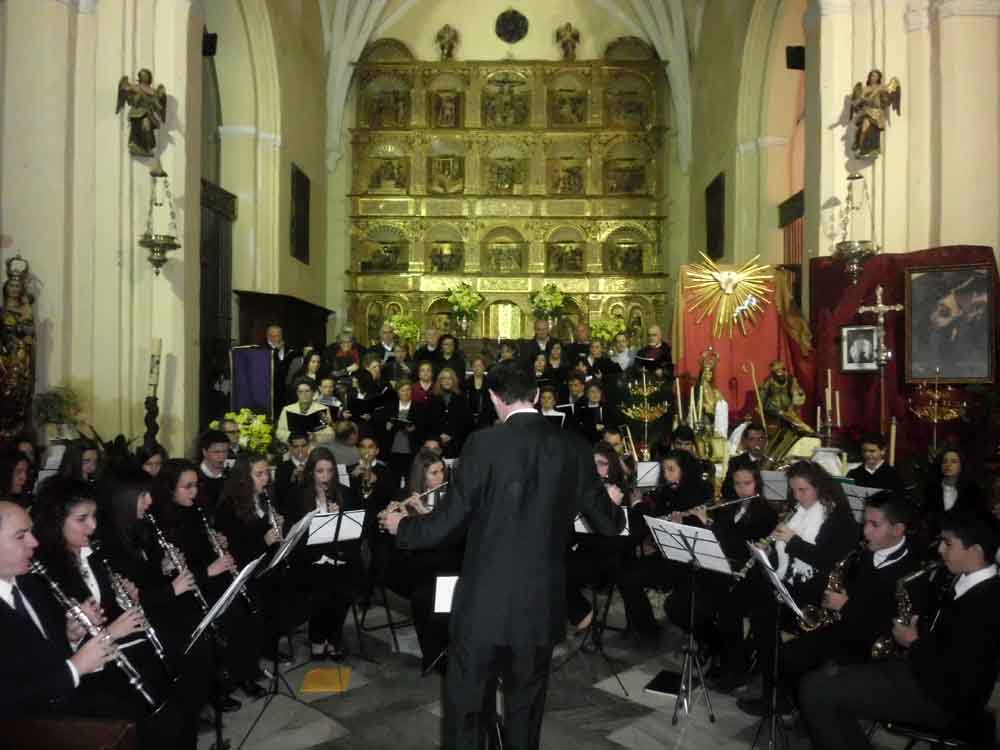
388 704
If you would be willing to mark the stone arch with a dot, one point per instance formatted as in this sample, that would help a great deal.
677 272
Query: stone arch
768 128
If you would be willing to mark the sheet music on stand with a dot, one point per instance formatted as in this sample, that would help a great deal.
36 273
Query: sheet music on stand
223 602
581 526
342 476
678 542
776 583
775 485
857 496
292 538
444 593
326 528
647 473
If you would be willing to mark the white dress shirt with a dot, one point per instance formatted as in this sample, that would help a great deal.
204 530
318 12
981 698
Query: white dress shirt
967 580
87 573
949 495
880 556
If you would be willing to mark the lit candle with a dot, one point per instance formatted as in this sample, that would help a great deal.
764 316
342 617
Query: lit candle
838 408
829 393
680 403
156 349
691 409
892 443
819 418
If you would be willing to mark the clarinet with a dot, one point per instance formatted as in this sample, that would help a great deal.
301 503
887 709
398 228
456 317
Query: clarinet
125 602
175 560
219 552
269 510
73 608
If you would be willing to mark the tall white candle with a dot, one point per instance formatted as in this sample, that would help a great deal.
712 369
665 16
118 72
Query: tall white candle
155 350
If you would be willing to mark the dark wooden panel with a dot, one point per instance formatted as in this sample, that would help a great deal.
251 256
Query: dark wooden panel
304 324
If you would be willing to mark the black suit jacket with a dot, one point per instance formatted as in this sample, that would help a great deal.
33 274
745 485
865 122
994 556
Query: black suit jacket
517 489
285 486
871 597
884 478
34 678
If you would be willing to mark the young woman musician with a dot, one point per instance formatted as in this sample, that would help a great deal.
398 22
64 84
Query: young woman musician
593 559
448 414
331 572
65 523
413 574
185 525
679 489
81 460
949 486
806 545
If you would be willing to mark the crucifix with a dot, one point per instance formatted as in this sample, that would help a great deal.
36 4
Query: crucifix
882 355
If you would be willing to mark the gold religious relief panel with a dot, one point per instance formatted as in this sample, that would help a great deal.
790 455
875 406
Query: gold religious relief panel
445 108
445 174
389 175
506 176
624 256
624 176
628 103
564 257
506 101
381 256
489 207
505 256
387 109
566 176
385 206
568 108
446 256
444 207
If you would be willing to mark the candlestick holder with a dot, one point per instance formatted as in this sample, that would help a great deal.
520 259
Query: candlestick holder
645 412
935 404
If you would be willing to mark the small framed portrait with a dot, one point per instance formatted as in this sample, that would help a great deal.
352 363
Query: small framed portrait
949 324
859 349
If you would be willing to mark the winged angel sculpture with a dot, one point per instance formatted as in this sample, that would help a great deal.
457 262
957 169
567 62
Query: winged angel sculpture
147 111
870 103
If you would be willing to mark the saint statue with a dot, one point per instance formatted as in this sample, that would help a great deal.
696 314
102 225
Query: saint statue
869 104
17 349
147 111
446 40
782 397
567 38
707 396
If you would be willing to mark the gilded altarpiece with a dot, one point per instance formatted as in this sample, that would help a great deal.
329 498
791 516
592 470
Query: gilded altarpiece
508 175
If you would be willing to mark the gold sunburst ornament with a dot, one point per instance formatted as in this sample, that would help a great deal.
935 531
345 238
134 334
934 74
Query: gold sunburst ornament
735 298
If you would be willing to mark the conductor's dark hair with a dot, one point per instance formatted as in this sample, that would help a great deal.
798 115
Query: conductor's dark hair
972 527
893 506
874 438
511 382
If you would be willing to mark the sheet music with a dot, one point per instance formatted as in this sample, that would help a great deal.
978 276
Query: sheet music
292 538
223 602
680 543
323 528
343 476
646 473
857 497
775 485
444 593
783 594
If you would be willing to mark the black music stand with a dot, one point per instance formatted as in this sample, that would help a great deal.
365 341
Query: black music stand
697 549
208 624
781 597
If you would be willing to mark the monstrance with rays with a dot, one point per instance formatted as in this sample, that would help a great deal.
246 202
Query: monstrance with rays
735 298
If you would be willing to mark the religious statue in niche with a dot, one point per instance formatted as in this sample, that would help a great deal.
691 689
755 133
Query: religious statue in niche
389 109
385 256
506 102
624 176
567 38
17 349
506 176
635 325
446 107
870 104
389 175
505 257
707 396
625 257
566 176
627 109
446 39
447 256
782 397
565 257
445 174
147 111
567 107
374 321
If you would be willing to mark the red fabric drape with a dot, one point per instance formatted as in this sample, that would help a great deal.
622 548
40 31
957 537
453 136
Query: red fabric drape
834 303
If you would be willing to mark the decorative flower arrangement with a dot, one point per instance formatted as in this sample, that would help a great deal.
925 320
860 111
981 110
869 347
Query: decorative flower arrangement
465 301
256 433
61 405
606 329
407 329
547 302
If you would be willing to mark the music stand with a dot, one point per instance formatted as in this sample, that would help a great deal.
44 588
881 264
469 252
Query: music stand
857 497
781 596
696 548
208 622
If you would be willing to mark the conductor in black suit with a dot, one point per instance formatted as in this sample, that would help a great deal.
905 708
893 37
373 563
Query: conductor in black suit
517 489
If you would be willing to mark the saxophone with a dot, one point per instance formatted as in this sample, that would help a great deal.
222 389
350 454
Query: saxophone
125 602
176 561
74 610
821 617
885 646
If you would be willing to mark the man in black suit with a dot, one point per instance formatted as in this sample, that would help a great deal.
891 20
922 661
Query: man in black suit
948 675
518 487
875 472
282 357
541 344
39 672
289 477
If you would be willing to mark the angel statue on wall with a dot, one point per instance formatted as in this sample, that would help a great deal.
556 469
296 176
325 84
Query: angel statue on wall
446 40
147 111
567 38
869 105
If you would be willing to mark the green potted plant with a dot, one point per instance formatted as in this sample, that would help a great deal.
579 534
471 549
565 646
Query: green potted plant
58 411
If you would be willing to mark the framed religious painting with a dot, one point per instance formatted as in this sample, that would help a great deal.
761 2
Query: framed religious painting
858 349
949 324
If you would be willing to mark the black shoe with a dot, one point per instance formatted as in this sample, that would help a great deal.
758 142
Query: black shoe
230 704
253 689
729 682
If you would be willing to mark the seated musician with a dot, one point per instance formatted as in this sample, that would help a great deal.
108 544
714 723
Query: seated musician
373 482
331 572
305 415
66 519
412 574
213 449
683 440
40 672
874 471
718 626
865 608
949 486
185 525
948 675
547 406
679 489
290 474
593 559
